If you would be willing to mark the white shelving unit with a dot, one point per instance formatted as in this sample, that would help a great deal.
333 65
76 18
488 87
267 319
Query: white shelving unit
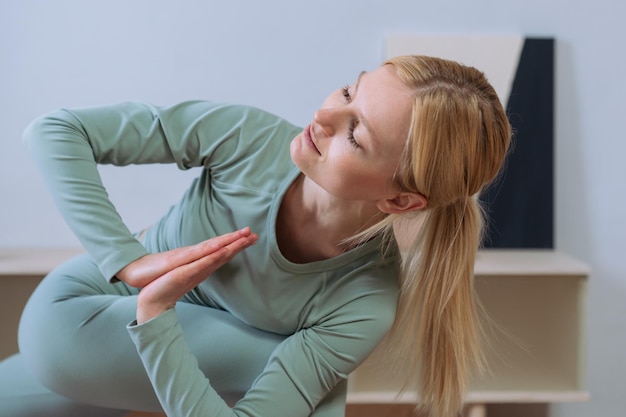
536 300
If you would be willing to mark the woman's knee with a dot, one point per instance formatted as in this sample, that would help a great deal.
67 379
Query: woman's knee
70 321
51 306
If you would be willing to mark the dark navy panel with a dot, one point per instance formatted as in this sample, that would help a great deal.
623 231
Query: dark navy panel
520 205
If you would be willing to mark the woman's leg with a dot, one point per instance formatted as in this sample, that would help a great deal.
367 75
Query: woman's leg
73 339
21 395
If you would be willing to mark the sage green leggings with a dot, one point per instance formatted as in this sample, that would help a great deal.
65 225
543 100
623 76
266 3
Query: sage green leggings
76 358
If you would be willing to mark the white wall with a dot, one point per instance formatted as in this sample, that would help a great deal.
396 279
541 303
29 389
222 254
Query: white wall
285 56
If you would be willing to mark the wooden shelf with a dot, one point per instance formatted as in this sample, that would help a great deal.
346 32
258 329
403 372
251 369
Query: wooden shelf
527 262
16 262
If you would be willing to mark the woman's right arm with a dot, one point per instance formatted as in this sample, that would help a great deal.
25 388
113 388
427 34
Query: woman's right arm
68 145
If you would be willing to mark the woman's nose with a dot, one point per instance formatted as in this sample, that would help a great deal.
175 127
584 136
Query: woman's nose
327 119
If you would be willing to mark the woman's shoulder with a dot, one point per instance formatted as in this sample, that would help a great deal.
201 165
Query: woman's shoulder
243 116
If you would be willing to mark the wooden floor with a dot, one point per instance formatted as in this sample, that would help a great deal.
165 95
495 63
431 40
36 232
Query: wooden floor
400 410
380 410
351 411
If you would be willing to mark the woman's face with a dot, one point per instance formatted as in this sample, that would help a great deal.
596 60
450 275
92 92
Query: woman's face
353 145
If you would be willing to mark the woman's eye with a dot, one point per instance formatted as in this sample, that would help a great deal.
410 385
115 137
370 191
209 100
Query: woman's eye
346 93
351 137
353 141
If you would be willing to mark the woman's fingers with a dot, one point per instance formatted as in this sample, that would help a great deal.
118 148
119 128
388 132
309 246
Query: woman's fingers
223 250
188 254
145 269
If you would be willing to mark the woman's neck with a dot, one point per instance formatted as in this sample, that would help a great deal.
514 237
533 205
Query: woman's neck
312 224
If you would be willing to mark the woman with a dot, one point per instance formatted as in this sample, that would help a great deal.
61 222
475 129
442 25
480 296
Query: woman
269 319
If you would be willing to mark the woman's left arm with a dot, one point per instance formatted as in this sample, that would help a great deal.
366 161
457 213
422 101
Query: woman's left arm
68 145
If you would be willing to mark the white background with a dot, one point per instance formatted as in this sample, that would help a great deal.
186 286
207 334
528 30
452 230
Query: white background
285 56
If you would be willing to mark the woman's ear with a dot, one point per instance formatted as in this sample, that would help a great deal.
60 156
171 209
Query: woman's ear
402 203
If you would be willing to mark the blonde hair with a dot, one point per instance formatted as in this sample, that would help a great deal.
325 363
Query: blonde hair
458 140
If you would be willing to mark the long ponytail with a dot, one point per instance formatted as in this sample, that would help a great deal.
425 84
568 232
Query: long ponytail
437 324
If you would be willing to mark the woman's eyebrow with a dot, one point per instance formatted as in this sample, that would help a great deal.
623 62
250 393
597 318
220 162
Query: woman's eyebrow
358 79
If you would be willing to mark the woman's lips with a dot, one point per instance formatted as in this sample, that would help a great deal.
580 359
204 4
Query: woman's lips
308 138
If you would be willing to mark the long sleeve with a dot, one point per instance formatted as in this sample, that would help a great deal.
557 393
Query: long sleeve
300 373
68 145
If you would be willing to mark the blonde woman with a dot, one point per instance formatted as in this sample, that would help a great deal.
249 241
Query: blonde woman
277 273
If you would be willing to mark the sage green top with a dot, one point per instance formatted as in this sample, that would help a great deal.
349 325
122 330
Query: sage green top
334 312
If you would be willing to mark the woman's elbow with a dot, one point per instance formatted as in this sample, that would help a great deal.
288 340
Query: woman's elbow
42 131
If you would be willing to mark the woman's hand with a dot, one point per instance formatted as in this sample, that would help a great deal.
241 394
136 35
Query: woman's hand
170 275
